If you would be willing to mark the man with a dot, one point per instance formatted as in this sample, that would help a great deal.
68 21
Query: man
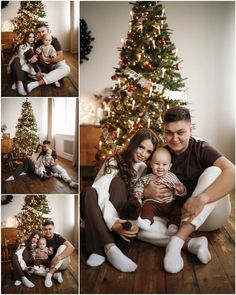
60 259
59 69
55 167
209 178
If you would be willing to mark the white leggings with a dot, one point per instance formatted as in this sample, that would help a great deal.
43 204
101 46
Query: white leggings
212 217
59 71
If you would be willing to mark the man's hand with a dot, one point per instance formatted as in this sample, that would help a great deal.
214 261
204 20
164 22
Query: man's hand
125 234
156 191
192 207
39 75
33 59
44 58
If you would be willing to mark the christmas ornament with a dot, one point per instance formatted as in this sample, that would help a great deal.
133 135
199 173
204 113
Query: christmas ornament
113 77
148 66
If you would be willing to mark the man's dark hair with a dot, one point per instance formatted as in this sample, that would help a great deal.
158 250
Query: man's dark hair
40 25
47 142
48 222
177 113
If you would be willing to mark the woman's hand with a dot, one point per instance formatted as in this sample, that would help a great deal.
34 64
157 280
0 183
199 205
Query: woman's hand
125 234
44 58
156 191
33 59
192 207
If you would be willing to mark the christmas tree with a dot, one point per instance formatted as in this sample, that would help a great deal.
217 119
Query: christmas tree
29 13
26 138
32 216
148 79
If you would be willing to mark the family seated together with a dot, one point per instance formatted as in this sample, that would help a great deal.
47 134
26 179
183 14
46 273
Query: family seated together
42 61
42 255
44 163
188 184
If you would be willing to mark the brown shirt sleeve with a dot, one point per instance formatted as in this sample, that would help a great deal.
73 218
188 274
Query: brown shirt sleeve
56 44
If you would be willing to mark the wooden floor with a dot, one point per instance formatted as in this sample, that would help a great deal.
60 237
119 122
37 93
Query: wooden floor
69 285
69 85
217 277
34 185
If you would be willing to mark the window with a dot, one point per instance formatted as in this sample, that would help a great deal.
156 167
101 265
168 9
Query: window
64 122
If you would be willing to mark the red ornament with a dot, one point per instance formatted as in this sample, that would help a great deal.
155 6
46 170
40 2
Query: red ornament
132 88
148 66
125 61
162 42
131 35
113 77
138 126
177 67
107 125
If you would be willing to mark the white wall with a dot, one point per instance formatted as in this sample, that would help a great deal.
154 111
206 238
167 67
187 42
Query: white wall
204 35
59 145
58 16
62 212
11 110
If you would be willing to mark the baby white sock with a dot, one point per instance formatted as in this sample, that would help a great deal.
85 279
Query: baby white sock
119 260
13 87
199 247
58 276
10 178
172 229
20 88
48 280
17 283
173 261
144 223
32 85
57 84
95 260
22 174
27 282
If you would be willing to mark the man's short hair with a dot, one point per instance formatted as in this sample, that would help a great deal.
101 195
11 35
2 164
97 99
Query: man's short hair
40 25
47 142
48 222
177 113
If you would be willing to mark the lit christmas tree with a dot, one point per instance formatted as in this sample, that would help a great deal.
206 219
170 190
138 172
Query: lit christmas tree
26 138
32 216
148 79
29 13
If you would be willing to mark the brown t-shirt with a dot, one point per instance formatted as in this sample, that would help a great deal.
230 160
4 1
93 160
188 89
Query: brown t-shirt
55 243
190 165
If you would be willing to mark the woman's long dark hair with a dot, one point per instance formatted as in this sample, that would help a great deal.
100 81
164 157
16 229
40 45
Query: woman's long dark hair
25 39
28 242
125 159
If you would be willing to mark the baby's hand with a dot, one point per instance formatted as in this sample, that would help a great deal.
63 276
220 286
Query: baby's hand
179 187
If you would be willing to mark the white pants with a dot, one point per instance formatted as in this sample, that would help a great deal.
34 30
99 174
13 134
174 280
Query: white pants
63 263
59 71
212 217
62 172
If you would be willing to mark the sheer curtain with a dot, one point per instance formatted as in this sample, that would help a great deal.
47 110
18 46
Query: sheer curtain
74 26
76 143
51 115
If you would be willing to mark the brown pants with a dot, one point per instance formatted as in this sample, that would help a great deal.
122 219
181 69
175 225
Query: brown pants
96 231
17 270
171 211
16 72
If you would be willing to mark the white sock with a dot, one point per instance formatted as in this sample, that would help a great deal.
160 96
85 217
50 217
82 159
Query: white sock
10 178
173 261
32 85
57 84
144 223
22 174
13 87
119 260
172 229
95 260
48 280
199 247
27 282
20 88
58 276
17 283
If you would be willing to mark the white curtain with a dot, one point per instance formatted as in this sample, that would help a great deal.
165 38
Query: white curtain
51 115
74 26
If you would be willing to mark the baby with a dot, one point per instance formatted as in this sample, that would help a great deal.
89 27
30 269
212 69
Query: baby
48 160
166 207
41 254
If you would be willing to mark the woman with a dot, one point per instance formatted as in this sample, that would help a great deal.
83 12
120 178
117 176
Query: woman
102 202
23 259
31 165
19 66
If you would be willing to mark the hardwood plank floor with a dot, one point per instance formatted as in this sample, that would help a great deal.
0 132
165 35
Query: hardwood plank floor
217 277
68 88
32 184
69 285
